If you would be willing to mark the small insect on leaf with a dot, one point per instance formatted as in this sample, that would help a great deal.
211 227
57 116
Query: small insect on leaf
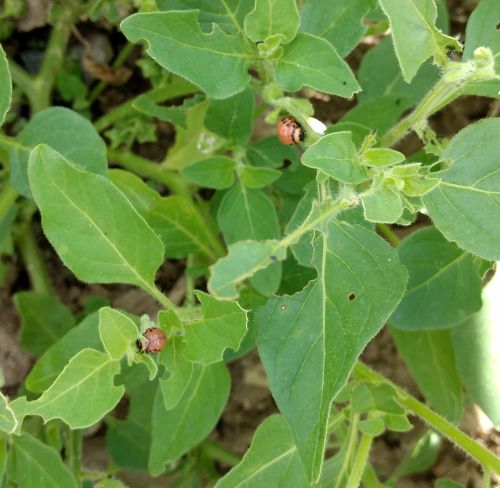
290 131
154 340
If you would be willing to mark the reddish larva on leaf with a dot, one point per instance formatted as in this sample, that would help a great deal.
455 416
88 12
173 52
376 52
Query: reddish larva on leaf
290 131
154 340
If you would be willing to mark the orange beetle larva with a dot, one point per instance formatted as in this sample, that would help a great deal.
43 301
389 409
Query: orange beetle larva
290 131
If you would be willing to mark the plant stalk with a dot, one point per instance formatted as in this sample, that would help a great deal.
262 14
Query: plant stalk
360 461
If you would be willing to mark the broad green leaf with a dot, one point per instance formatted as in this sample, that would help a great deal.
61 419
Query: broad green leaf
175 114
311 61
271 153
340 22
379 113
256 178
272 17
249 214
180 370
32 463
477 347
415 35
118 332
232 118
378 82
482 30
295 277
5 86
8 421
227 14
465 206
444 286
92 226
380 156
176 431
222 325
398 423
244 259
140 195
180 227
367 398
87 381
44 320
271 460
310 341
69 133
55 358
430 357
218 62
336 155
216 172
128 440
382 205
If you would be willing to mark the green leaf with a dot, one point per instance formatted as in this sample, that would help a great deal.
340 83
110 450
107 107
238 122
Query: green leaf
92 226
180 227
378 82
128 440
415 34
366 398
8 421
32 463
372 426
223 325
312 61
482 30
477 347
5 86
244 259
139 194
465 206
176 431
271 460
180 371
336 155
430 357
398 423
232 118
340 23
173 114
216 172
382 205
117 331
272 17
270 153
69 133
444 285
44 320
3 458
87 380
55 358
218 62
380 156
256 178
310 341
227 14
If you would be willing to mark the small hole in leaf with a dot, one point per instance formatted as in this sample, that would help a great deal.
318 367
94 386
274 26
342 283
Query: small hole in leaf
398 101
344 83
351 296
283 308
273 258
498 26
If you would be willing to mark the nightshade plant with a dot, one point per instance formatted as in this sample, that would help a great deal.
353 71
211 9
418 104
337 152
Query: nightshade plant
290 243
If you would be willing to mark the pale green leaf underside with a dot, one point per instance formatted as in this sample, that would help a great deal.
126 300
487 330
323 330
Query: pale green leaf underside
465 206
5 86
271 460
93 227
310 341
83 393
216 62
8 421
118 332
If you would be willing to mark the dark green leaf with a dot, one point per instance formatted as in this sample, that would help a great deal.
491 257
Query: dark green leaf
256 178
216 172
44 320
271 153
5 86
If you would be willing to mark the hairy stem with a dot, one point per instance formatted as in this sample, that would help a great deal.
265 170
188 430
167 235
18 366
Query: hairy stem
389 234
360 460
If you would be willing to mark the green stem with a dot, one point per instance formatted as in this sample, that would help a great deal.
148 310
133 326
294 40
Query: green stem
160 297
360 461
54 55
12 142
118 62
215 451
147 169
73 451
389 234
24 238
177 88
352 438
487 478
23 81
479 453
8 197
